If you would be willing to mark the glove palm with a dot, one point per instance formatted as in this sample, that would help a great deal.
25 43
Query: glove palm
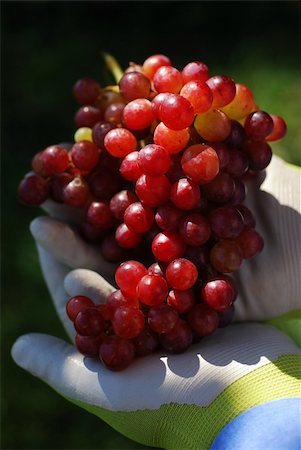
179 401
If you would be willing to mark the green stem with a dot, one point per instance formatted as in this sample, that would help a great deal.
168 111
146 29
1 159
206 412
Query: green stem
113 66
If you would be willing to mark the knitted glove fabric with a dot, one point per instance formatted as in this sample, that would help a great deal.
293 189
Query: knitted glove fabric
224 392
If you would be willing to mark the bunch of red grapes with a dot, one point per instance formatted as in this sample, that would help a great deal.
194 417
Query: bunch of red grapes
158 167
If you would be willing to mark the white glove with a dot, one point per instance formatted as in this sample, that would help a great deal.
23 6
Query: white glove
197 399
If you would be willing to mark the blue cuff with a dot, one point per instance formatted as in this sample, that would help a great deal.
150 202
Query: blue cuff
269 426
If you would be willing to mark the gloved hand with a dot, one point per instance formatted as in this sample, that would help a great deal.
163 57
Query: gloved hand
224 392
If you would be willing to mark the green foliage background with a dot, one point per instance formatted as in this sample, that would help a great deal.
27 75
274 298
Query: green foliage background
46 47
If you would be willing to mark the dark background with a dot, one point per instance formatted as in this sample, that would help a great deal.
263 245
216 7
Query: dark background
46 47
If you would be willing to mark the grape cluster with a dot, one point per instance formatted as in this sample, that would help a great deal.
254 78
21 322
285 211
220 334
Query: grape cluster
158 167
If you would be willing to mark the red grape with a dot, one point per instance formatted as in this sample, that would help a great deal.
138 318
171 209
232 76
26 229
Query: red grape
198 94
87 116
176 112
156 269
99 215
138 114
181 274
36 163
91 233
223 90
84 155
237 135
99 132
226 222
126 237
134 85
86 91
198 255
242 104
195 229
162 318
116 353
259 153
167 246
221 189
185 194
250 243
120 142
146 342
76 304
52 160
203 319
104 184
152 64
258 125
173 141
213 125
117 299
178 339
167 79
238 163
226 256
226 316
57 185
129 168
128 322
239 193
168 217
133 67
154 160
113 113
247 216
120 202
195 71
76 193
279 129
107 98
110 250
175 171
88 345
157 102
153 191
139 217
181 301
89 322
128 275
152 289
33 190
218 293
222 152
200 162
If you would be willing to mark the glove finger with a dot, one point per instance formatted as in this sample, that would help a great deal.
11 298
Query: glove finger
269 284
62 367
63 212
197 376
65 244
89 283
54 274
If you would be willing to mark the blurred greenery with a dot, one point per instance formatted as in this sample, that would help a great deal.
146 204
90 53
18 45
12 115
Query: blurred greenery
46 47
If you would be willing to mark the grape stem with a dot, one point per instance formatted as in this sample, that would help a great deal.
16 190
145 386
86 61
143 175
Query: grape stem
113 66
111 88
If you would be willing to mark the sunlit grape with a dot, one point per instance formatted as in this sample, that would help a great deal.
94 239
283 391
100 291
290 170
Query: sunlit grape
213 125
